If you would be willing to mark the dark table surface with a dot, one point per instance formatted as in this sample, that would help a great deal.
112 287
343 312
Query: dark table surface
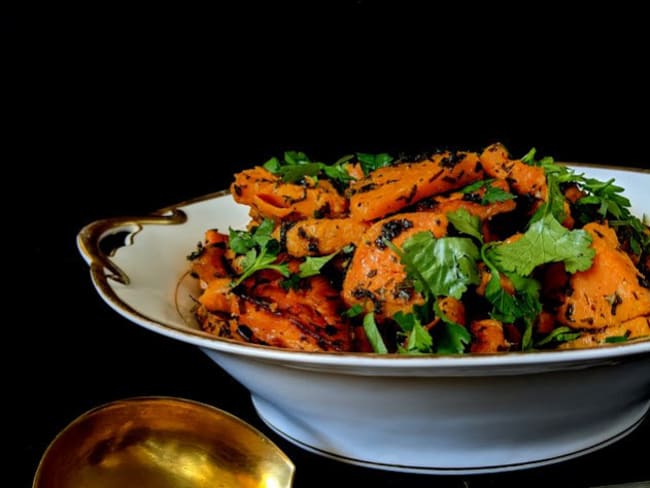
124 128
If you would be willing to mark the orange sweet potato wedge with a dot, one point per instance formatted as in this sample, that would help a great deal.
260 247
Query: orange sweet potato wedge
270 197
471 203
610 292
307 319
488 337
318 237
376 279
638 327
524 179
210 261
390 189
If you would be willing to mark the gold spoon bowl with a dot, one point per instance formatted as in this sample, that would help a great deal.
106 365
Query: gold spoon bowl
163 443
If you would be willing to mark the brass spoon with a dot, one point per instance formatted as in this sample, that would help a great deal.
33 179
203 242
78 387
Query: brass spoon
163 443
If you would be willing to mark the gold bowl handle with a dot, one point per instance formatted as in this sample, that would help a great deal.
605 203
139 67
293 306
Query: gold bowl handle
89 240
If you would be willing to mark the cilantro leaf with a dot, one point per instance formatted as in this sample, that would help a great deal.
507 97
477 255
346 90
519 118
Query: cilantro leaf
466 223
373 334
444 266
545 241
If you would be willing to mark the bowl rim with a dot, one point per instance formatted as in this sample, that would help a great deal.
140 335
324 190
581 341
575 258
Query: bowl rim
103 271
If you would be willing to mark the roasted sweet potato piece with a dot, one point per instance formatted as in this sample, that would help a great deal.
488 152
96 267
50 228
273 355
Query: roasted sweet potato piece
635 328
488 336
610 292
307 319
376 278
469 202
317 237
390 189
524 179
209 261
272 198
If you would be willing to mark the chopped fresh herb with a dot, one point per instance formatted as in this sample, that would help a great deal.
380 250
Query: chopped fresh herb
560 334
242 241
353 311
371 162
524 304
419 340
439 267
603 200
466 223
273 165
255 260
259 248
296 166
545 241
311 266
613 339
492 194
529 159
373 334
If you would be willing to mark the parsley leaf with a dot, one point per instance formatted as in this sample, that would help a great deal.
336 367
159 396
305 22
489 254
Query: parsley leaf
560 334
604 200
524 304
312 265
353 311
255 260
373 334
545 241
371 162
492 194
259 248
615 339
466 223
444 266
296 166
419 340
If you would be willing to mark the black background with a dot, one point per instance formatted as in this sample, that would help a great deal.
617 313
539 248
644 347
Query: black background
122 112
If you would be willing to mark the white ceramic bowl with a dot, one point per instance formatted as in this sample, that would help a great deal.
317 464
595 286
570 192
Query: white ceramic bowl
452 414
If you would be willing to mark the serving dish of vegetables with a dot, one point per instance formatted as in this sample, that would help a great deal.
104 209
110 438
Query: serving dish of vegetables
445 313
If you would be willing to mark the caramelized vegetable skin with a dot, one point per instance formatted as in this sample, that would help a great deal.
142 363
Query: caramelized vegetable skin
262 311
318 237
388 190
376 279
340 258
272 198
